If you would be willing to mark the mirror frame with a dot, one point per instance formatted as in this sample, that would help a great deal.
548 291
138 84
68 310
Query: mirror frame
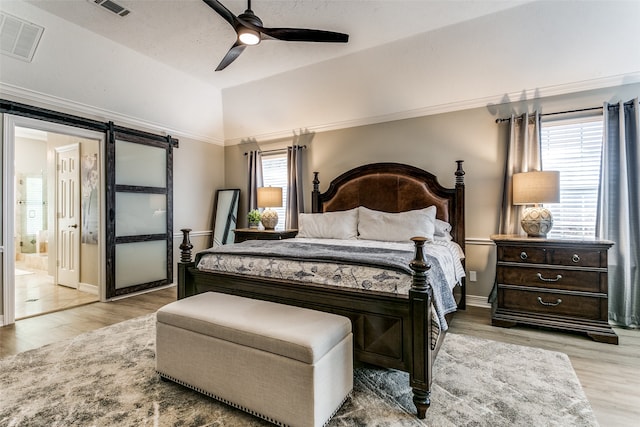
225 212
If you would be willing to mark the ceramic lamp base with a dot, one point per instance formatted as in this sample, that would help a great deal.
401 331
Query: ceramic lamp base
536 221
269 219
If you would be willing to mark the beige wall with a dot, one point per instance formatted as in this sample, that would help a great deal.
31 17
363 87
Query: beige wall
433 143
198 172
89 253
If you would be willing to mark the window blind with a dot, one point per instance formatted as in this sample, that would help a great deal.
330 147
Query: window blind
574 147
274 174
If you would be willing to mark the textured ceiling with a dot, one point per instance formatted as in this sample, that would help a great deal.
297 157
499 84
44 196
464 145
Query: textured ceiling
189 36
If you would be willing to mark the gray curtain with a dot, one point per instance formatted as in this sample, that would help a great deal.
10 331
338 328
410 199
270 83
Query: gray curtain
523 155
619 210
254 167
295 197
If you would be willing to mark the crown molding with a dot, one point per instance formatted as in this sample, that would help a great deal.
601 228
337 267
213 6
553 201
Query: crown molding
523 95
529 94
56 103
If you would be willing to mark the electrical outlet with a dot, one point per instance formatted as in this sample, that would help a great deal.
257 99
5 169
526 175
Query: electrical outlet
473 276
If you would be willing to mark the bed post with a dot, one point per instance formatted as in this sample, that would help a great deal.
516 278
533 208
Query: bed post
316 203
420 316
185 281
460 227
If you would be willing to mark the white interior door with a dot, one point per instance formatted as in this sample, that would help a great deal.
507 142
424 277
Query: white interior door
68 215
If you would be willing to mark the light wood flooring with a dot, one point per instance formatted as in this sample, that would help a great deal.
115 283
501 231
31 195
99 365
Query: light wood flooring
609 374
36 294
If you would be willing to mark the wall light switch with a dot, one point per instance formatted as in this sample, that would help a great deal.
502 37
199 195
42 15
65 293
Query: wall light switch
472 276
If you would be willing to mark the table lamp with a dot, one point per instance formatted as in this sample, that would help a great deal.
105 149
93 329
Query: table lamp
533 188
269 197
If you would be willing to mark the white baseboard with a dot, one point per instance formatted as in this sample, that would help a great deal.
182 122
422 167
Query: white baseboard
86 287
478 301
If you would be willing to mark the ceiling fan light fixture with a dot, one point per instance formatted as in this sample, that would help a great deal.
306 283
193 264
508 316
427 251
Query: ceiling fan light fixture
248 36
250 31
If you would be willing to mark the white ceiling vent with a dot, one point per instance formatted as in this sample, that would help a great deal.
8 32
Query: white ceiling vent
18 38
112 7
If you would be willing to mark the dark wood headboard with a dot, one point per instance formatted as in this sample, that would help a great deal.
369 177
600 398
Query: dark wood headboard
394 187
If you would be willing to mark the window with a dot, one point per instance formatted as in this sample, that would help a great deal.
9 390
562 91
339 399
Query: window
274 174
573 147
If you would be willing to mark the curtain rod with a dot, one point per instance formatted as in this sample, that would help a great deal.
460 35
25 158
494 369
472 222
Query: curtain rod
276 150
572 111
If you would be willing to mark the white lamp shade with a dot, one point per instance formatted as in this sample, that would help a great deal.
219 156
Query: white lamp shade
269 197
536 187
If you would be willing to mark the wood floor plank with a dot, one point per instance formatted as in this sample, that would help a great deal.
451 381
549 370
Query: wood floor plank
609 374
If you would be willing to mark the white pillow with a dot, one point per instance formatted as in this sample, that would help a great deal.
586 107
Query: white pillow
446 238
396 227
329 225
442 230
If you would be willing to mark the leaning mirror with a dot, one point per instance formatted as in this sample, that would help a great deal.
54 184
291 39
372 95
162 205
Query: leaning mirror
225 216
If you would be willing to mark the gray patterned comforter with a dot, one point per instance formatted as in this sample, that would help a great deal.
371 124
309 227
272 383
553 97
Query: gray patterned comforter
346 264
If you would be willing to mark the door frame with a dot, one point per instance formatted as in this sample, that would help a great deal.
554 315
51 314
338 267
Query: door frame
10 122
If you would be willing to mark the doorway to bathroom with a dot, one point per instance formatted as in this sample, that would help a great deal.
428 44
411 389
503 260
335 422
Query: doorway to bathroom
56 221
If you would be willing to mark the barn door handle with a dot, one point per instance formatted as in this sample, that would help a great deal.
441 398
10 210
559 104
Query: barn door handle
549 304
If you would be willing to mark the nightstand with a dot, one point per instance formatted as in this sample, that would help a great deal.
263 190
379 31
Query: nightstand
555 283
243 234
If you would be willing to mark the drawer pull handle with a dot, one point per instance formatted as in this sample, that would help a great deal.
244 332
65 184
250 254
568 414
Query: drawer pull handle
523 255
549 304
575 258
544 279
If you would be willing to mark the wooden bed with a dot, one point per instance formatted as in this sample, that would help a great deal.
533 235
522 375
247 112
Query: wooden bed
392 331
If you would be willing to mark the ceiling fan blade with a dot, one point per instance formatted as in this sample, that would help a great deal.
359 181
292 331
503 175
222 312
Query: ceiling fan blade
231 55
222 11
305 35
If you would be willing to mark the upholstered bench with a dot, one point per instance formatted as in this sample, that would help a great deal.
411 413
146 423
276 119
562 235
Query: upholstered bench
288 365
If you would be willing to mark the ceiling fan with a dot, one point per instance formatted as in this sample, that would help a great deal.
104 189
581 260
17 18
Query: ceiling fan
250 32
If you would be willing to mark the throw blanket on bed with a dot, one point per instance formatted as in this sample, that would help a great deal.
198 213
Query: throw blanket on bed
397 260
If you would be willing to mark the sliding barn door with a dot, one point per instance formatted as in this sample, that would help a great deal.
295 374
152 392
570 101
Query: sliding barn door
139 213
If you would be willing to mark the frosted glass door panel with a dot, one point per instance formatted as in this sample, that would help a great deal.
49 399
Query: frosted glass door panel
140 214
142 262
140 165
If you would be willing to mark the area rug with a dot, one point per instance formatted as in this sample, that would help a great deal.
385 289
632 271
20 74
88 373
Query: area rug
106 378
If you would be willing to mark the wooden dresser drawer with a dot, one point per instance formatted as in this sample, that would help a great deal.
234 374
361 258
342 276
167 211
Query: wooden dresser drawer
554 256
586 307
553 278
532 255
577 257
